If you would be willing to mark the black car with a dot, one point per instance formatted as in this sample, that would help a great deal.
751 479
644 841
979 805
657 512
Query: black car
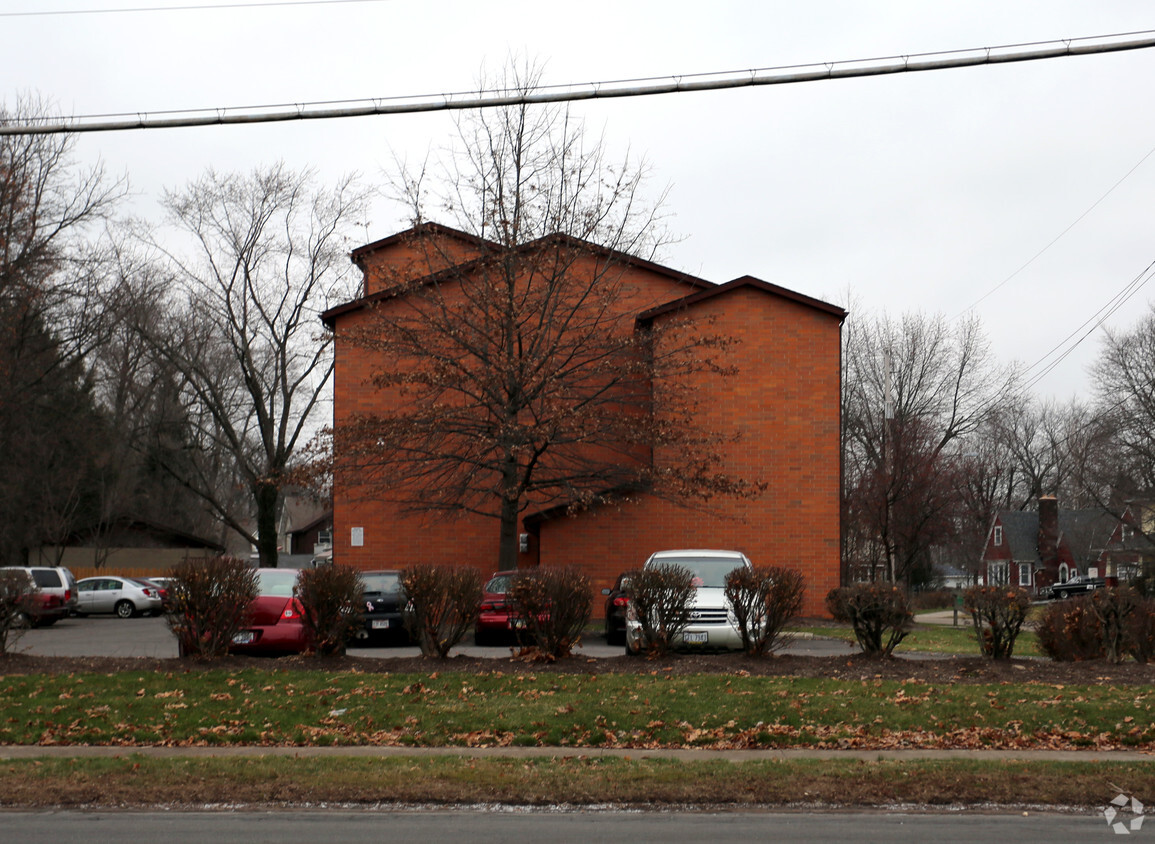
381 610
616 604
1078 585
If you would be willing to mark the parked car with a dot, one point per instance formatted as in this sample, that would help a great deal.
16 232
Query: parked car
383 602
160 584
123 596
712 623
617 602
496 619
55 595
1077 585
275 625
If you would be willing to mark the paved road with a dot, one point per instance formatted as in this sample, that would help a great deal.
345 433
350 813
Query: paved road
553 825
111 636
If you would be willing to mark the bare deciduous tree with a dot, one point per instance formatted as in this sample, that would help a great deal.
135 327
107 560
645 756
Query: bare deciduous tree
915 390
520 378
267 256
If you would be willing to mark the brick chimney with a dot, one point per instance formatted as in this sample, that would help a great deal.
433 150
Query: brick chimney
1049 532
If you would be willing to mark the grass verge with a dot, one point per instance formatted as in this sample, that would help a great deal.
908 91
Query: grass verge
135 781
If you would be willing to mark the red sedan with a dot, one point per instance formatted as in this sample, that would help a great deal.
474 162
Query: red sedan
497 620
274 617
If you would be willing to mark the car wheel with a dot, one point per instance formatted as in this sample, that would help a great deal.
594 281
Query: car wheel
1063 593
481 639
125 609
21 621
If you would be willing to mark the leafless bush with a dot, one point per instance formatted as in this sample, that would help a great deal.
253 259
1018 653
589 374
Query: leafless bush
998 613
17 592
1141 631
209 604
556 606
330 598
879 614
1113 607
764 601
661 597
443 605
1069 632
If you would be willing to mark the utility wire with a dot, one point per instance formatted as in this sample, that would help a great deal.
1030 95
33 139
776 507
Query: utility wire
1059 236
589 91
186 8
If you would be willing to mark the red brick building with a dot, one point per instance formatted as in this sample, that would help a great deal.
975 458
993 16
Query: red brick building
783 403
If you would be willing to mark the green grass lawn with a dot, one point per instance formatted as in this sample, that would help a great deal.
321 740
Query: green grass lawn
263 707
935 638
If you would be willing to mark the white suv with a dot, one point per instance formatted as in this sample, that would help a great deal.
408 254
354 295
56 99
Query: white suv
712 623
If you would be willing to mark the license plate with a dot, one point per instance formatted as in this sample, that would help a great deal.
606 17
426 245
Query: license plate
695 638
245 637
517 623
380 624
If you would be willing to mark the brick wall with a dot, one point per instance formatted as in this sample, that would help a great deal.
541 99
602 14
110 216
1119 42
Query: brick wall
783 404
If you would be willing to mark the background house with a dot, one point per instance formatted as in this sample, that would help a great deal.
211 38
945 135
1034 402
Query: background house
779 417
1039 548
1129 554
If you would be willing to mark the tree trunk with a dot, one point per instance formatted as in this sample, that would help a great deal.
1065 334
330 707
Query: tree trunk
508 547
265 495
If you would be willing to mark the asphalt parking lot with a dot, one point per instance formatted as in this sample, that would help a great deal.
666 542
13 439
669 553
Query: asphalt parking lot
150 637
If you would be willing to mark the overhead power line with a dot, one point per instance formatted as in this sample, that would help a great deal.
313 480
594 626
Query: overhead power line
588 91
185 8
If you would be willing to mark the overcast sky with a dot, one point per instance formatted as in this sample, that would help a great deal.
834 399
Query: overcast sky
906 192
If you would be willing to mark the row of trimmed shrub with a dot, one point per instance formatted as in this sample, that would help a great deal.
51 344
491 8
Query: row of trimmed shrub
1110 623
208 602
556 606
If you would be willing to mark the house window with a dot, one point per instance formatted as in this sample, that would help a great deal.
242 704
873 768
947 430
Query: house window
1024 574
998 534
1064 573
998 574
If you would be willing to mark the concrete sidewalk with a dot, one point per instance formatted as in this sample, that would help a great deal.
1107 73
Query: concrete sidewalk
944 618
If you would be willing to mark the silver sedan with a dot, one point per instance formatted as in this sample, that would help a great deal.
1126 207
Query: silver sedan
120 595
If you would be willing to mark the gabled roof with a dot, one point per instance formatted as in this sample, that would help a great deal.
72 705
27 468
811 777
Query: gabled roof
1084 531
1021 533
125 528
330 316
747 282
358 254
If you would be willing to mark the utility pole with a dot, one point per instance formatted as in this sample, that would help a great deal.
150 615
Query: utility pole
888 457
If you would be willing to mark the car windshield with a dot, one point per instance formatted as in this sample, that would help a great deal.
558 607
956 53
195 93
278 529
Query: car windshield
708 571
277 583
382 582
498 585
